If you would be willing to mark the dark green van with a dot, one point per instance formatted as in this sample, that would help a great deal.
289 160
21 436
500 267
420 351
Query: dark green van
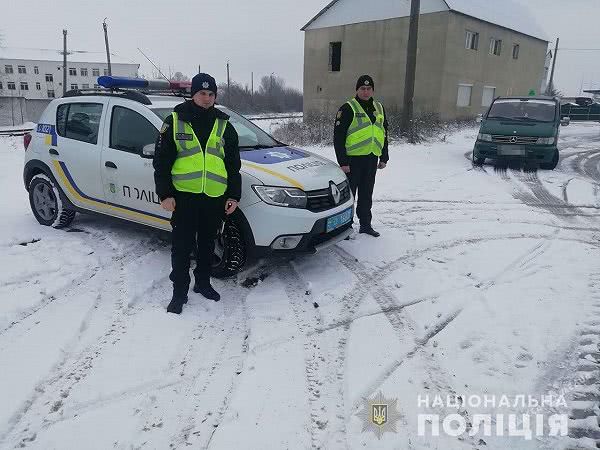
523 128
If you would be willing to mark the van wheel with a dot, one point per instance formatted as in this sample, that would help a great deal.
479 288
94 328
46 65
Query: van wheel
478 160
552 164
47 207
230 251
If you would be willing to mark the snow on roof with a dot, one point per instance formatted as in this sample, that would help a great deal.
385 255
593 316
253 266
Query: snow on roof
505 13
45 54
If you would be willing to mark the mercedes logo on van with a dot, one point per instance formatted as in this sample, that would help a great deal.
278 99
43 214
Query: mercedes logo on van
335 192
513 140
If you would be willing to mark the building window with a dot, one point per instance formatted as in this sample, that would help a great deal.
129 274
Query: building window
83 72
96 86
21 69
38 86
464 95
8 69
516 48
50 93
74 86
72 71
85 86
489 93
105 72
24 86
1 86
472 40
11 86
36 70
95 72
335 56
495 47
49 78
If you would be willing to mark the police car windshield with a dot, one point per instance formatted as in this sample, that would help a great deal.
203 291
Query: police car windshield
251 137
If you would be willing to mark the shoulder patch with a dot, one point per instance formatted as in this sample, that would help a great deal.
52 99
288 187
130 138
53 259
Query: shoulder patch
339 114
165 127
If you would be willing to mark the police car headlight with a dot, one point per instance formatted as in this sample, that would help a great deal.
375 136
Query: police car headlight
281 196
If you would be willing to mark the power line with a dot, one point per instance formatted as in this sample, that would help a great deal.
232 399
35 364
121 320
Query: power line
580 49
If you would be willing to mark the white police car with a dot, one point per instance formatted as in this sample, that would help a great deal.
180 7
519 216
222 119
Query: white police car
92 152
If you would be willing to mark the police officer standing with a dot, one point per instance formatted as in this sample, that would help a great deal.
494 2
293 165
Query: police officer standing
361 146
197 176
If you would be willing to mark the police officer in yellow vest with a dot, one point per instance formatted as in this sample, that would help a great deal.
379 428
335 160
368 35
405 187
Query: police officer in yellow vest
197 176
361 146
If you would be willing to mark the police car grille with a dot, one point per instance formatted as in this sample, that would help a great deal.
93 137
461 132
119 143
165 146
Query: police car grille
322 200
501 139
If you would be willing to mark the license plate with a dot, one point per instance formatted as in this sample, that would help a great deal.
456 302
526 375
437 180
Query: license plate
511 150
339 219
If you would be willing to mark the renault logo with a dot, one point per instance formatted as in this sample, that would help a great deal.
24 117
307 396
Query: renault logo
513 140
335 192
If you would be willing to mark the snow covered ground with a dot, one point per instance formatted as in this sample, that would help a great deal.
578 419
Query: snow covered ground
485 281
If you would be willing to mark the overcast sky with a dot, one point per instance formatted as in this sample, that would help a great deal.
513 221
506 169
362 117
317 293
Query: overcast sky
254 35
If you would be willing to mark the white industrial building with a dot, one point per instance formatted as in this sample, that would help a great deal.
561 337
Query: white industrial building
38 73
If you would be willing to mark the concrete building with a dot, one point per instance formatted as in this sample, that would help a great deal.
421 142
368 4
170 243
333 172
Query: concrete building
38 73
470 51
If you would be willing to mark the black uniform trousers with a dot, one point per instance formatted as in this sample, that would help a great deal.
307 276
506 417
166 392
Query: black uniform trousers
362 178
195 222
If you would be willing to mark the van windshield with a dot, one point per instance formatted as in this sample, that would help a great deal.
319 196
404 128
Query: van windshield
251 137
526 110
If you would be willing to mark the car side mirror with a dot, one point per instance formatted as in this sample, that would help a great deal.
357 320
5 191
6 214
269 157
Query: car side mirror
479 118
148 151
565 121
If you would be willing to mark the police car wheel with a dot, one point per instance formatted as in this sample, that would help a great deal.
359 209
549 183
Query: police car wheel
46 204
552 164
478 160
230 251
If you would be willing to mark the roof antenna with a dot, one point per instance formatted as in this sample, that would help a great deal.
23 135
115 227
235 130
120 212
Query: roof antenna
154 65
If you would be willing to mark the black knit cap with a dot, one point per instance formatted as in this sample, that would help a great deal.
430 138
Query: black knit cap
203 81
365 80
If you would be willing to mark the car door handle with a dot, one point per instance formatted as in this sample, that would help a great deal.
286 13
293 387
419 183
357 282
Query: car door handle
110 164
53 152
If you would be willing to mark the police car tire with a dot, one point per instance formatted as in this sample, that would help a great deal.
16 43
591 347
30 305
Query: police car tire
234 251
552 164
62 216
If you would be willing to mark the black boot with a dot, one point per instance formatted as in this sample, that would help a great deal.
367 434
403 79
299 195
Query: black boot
179 299
368 229
207 291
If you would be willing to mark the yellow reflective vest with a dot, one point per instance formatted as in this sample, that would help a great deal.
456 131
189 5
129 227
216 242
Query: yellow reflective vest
365 137
195 170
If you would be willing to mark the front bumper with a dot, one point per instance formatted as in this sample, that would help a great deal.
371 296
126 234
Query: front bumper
270 223
534 153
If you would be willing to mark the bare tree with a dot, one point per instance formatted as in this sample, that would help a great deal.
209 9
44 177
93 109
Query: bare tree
180 77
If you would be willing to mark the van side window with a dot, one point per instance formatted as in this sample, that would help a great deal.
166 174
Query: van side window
79 121
130 131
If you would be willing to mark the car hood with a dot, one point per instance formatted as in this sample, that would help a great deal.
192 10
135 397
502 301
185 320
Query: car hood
518 128
289 166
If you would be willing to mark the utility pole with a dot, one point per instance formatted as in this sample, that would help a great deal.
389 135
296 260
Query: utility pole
411 69
550 86
64 62
228 86
199 69
106 43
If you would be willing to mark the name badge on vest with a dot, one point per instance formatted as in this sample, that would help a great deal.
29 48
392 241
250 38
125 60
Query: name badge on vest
184 137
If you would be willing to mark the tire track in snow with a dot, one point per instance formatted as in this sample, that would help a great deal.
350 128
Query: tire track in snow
325 395
74 368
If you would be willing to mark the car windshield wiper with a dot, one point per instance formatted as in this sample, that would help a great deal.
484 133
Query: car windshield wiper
503 118
256 147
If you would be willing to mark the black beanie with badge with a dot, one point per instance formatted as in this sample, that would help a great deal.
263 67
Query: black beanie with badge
203 81
365 80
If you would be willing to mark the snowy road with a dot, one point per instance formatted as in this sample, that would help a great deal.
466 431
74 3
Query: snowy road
485 281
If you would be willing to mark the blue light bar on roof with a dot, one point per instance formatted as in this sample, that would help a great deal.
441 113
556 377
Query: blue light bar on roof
112 82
